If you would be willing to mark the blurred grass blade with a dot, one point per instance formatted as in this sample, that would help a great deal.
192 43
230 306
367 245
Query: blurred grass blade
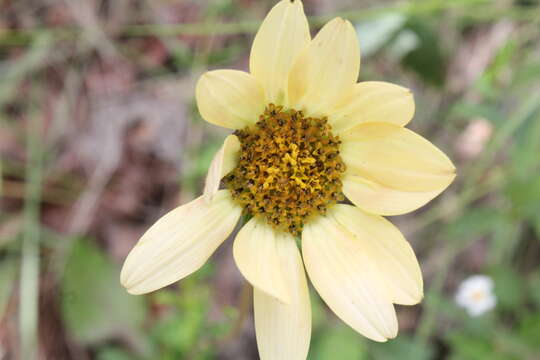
8 272
29 287
13 72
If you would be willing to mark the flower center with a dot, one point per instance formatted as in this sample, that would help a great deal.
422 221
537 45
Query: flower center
289 168
478 296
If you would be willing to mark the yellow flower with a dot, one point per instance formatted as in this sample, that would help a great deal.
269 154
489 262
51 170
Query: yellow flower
307 135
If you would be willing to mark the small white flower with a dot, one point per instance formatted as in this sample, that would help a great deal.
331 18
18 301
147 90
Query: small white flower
475 294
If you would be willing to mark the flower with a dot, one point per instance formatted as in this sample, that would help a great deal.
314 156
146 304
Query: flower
306 136
475 294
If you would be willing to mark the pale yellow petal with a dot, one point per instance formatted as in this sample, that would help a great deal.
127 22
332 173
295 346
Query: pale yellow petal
326 70
282 35
386 250
346 279
224 162
179 243
379 199
372 101
229 98
395 157
284 330
256 252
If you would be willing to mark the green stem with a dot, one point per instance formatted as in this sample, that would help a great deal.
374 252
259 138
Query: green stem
29 287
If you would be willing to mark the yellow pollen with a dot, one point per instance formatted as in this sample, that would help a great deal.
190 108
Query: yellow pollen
478 296
289 169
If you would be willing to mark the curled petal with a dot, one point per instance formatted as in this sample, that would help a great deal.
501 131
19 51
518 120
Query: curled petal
224 162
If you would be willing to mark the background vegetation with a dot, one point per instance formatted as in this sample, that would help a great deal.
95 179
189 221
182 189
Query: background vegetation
99 136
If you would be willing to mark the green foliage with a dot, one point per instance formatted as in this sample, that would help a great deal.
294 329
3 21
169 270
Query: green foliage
113 353
529 331
527 73
474 223
474 348
509 287
524 188
405 346
179 331
184 331
427 59
376 33
351 345
95 307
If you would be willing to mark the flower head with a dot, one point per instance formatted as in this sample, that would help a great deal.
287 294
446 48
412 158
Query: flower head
475 294
306 136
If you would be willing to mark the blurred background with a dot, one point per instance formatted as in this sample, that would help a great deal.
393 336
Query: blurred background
100 135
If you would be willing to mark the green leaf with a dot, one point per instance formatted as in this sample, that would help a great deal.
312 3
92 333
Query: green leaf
504 240
525 196
529 330
113 353
426 59
466 346
95 307
180 331
474 223
526 145
403 348
528 73
374 34
339 342
479 326
185 326
405 42
509 287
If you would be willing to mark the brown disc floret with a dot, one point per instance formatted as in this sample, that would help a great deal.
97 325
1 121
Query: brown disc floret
289 168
